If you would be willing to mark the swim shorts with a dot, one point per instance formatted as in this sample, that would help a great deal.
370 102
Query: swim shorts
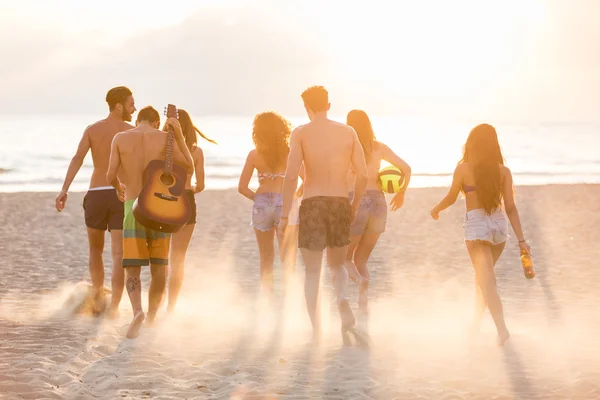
190 195
103 209
143 246
324 222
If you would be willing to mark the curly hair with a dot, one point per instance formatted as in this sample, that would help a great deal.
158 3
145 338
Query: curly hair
271 134
483 152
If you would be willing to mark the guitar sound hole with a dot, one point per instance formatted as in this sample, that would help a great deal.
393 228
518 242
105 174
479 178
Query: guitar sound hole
167 179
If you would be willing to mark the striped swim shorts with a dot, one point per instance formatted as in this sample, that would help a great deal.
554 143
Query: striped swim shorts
143 246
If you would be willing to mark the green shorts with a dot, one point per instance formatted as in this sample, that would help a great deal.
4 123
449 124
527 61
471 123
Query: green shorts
143 246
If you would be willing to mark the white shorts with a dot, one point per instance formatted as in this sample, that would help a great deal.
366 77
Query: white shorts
492 229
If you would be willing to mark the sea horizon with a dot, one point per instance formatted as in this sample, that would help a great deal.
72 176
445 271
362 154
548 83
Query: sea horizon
535 152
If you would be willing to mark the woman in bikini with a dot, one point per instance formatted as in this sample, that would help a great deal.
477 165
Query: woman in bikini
371 216
270 133
486 184
181 239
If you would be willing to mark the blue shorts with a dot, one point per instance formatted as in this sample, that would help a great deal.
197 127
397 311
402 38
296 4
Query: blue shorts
266 211
372 213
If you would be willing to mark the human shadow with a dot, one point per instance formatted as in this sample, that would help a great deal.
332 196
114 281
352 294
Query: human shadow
540 254
522 386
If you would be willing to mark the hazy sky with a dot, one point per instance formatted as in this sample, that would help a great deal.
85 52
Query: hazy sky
536 60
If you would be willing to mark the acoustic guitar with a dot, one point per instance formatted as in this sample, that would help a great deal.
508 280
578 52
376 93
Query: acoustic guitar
163 204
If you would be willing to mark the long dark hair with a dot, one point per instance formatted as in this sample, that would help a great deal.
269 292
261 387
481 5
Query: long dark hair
483 152
271 134
359 120
190 130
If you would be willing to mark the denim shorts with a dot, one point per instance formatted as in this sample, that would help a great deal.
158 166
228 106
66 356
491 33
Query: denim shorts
492 229
371 215
266 211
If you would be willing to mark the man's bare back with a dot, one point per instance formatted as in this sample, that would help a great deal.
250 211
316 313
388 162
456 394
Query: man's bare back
132 150
100 136
102 208
136 148
327 148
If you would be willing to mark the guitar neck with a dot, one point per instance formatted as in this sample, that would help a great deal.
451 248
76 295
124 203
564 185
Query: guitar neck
169 150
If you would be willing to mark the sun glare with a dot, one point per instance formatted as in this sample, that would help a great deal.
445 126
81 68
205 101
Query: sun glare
432 47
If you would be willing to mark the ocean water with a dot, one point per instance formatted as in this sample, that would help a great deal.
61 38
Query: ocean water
35 151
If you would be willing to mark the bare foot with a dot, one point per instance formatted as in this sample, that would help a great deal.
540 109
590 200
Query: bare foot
98 301
346 314
503 337
113 313
170 309
135 325
151 319
346 337
362 338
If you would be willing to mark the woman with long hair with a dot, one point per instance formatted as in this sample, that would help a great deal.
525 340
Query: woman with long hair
180 240
371 218
270 134
486 183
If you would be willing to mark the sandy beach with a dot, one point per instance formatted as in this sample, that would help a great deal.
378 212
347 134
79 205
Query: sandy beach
224 343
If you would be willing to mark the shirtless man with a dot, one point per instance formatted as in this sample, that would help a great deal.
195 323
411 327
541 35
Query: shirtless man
328 149
102 207
132 150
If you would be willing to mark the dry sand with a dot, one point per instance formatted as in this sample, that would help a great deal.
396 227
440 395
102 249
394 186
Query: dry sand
224 343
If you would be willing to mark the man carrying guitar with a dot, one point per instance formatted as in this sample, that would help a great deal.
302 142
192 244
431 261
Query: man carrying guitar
132 150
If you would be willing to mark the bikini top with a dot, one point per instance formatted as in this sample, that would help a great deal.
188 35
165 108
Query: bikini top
468 188
272 176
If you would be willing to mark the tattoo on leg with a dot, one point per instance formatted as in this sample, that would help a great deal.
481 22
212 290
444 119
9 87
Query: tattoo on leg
133 283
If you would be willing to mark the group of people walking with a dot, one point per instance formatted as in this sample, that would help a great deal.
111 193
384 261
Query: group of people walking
337 208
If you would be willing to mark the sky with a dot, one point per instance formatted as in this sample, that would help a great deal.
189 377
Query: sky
515 60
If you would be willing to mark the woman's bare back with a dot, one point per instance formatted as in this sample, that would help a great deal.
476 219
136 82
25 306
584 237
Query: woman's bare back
373 168
270 181
470 188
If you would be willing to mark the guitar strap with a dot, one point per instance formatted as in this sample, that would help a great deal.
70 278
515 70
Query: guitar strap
144 163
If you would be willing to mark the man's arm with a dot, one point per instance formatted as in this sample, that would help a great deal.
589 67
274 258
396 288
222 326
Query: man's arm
359 165
185 157
290 182
74 167
113 166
